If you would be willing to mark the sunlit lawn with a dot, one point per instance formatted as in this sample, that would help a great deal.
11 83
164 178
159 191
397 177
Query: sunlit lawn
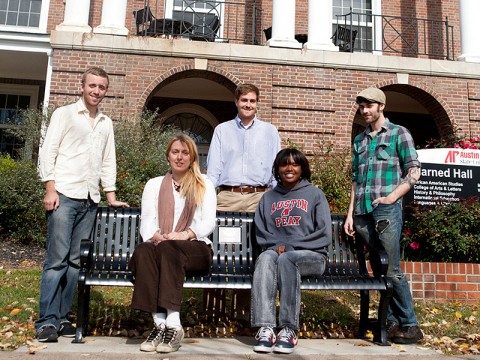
452 327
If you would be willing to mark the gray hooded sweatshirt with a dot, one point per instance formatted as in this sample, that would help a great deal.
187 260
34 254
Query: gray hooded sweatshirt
298 218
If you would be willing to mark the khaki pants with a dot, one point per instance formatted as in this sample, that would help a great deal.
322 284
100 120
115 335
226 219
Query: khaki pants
241 202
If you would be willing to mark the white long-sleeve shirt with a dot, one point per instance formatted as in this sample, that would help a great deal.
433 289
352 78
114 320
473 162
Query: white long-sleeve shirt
204 219
77 156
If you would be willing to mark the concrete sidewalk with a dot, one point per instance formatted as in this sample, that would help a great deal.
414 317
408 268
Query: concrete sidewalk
120 348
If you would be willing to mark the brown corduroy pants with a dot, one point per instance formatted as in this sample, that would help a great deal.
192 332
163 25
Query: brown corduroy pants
160 272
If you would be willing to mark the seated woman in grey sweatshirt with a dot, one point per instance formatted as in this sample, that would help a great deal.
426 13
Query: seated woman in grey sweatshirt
294 229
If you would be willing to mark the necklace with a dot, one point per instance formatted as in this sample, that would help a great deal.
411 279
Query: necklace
176 186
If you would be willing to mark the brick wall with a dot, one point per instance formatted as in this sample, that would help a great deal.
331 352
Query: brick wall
442 282
309 105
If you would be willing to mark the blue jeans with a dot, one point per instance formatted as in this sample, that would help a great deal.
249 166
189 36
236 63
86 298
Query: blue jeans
282 272
383 228
66 227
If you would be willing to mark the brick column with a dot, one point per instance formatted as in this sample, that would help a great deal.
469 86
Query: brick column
320 26
75 17
113 18
469 10
283 25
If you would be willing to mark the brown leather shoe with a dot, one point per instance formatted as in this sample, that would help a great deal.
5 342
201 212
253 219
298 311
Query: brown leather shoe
407 335
392 328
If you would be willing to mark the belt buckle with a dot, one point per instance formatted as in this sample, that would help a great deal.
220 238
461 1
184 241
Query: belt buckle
246 189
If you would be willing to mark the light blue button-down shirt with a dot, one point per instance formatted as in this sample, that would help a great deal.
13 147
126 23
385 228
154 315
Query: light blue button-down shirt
240 156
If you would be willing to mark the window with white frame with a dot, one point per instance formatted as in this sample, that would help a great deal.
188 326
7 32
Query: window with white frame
201 16
14 99
358 15
24 14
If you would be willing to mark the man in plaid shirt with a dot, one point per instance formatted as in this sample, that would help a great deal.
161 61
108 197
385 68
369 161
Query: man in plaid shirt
385 167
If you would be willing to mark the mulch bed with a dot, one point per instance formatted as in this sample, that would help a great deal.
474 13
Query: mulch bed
16 255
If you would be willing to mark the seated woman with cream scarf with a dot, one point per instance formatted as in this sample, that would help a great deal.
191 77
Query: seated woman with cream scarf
178 214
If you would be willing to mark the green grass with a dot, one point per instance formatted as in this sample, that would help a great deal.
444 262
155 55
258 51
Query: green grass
324 314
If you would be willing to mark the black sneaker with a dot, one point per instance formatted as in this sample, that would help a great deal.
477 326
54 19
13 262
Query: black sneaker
47 333
408 335
66 329
265 340
287 339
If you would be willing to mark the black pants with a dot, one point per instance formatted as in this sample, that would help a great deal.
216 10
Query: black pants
160 272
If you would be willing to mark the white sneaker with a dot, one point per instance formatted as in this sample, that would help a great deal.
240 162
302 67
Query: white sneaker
171 341
156 337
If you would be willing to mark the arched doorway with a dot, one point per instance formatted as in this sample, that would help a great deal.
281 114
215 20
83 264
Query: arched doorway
195 121
195 102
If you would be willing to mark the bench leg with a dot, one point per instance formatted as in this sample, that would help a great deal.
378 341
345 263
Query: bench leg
80 314
86 310
364 308
385 297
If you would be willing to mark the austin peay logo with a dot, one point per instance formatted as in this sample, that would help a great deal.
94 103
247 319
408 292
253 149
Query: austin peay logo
454 156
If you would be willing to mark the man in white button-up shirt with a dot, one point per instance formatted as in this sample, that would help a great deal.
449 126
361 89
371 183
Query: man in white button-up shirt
77 155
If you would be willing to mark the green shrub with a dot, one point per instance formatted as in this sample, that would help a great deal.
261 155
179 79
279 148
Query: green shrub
444 233
21 210
140 147
331 172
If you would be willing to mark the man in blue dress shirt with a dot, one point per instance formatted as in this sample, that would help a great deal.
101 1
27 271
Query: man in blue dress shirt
241 155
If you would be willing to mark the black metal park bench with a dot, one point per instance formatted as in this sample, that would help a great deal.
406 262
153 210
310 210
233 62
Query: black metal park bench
105 257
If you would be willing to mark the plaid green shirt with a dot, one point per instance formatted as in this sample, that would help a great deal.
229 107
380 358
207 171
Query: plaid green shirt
380 163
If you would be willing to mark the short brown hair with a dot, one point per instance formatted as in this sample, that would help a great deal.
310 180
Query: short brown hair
245 89
97 72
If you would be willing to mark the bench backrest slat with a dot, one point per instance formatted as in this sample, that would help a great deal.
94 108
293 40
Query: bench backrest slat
341 256
232 247
116 232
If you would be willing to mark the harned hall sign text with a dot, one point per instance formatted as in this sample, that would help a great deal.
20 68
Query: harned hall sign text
447 175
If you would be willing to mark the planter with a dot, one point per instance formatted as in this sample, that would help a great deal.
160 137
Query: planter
443 282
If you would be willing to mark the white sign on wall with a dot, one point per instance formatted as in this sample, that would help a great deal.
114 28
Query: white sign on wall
447 175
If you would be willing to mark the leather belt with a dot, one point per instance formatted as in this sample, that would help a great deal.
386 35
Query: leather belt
244 189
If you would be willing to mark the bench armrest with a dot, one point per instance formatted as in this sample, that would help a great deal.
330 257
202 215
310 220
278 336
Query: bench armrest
378 259
86 248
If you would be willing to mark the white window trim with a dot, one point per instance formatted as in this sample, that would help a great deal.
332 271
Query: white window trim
377 37
169 13
42 26
14 89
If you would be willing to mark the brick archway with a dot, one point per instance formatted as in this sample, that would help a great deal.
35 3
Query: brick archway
441 114
438 108
184 72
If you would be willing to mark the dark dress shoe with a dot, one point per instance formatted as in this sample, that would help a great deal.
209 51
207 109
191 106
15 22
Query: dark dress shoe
392 328
407 335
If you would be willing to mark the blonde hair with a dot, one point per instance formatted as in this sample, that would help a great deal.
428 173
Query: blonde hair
193 183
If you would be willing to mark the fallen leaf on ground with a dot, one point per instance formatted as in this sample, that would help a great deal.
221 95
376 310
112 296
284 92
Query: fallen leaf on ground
15 311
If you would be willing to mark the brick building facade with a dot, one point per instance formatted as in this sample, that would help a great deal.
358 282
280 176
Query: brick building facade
307 92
